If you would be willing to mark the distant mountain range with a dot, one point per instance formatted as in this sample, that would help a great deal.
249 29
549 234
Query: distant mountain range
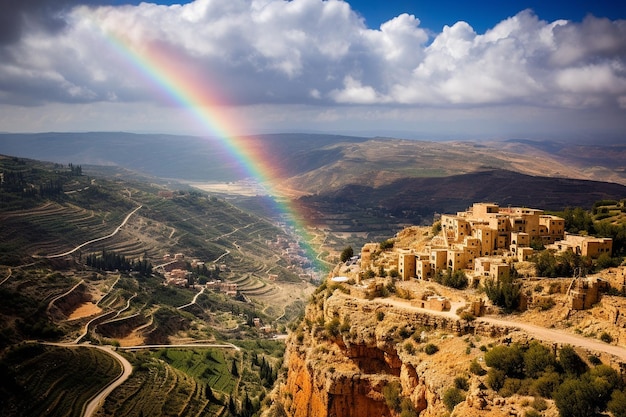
362 184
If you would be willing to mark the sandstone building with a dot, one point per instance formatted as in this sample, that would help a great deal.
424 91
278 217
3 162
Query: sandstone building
480 238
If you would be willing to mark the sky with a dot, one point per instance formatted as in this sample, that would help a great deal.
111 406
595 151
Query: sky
436 70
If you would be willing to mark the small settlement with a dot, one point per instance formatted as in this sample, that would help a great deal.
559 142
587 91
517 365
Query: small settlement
486 241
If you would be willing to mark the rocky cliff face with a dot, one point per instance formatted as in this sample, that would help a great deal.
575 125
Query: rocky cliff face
355 357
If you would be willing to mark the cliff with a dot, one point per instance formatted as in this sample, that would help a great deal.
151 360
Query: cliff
355 357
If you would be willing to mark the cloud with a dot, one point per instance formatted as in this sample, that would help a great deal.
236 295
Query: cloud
307 52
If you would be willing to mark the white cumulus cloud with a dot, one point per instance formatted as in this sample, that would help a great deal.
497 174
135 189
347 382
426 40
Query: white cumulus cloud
270 52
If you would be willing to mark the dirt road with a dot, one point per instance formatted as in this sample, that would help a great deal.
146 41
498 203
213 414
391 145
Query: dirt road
558 336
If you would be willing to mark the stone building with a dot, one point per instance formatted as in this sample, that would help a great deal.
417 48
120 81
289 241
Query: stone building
483 230
589 246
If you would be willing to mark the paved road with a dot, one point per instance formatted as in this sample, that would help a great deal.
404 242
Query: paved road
127 369
184 346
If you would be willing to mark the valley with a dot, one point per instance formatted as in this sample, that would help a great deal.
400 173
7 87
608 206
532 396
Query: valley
201 286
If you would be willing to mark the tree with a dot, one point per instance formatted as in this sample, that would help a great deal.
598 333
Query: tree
571 363
538 359
617 405
234 371
504 292
509 359
346 254
575 398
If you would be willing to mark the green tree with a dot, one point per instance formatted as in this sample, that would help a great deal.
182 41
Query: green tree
617 404
509 359
575 398
571 363
538 359
504 292
346 254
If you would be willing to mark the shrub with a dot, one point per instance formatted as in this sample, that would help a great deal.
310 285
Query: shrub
617 405
346 254
431 349
510 387
539 404
380 315
546 384
605 337
594 360
452 397
504 293
410 349
508 359
386 244
332 327
391 392
476 369
461 382
575 398
466 315
537 359
495 379
571 363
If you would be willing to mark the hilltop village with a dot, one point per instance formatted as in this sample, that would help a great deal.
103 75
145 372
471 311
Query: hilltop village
484 242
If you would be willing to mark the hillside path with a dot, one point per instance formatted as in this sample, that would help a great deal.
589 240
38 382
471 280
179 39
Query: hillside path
558 336
538 332
117 229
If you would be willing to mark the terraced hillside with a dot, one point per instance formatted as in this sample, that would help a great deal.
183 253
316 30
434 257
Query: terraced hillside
84 259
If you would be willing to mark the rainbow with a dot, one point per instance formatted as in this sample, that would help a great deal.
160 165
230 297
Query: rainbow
186 87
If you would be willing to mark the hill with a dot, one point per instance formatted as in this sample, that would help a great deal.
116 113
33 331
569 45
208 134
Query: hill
113 262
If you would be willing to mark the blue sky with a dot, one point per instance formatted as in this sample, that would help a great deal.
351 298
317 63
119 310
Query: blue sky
445 70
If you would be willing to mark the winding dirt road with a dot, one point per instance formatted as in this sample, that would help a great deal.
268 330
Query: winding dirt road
558 336
69 252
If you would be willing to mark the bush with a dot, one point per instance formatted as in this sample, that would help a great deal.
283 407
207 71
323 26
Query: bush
605 337
476 369
431 349
594 360
539 404
467 316
332 327
508 359
495 379
380 315
537 359
617 405
461 383
510 387
452 397
571 363
346 254
386 244
504 293
391 392
546 384
575 398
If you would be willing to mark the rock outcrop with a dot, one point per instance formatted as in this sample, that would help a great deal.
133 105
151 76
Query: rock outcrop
355 357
